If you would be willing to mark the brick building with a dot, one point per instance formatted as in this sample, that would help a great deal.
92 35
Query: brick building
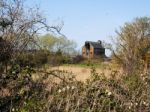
93 50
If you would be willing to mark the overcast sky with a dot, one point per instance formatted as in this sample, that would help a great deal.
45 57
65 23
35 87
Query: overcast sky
91 19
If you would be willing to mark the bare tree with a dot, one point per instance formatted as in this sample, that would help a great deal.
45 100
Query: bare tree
19 27
132 43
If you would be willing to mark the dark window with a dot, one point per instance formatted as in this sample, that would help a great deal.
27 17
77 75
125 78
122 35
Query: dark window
99 51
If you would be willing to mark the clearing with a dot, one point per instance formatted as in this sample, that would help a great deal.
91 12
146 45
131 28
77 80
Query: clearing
82 73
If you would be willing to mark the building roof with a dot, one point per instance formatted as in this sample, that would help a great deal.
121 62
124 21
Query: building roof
95 44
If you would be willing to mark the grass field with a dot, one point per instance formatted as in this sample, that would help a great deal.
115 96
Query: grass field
82 72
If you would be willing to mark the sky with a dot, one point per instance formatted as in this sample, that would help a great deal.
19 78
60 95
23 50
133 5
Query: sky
91 20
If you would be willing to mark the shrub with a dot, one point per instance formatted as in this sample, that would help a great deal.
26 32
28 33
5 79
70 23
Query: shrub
33 59
41 57
98 93
77 59
23 93
129 93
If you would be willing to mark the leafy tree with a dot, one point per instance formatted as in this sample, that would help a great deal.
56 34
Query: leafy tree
47 42
65 45
57 43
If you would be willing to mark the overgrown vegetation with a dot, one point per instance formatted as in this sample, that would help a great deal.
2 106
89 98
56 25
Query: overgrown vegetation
59 91
132 44
102 95
127 94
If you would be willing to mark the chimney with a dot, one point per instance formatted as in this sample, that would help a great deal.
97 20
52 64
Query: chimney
99 41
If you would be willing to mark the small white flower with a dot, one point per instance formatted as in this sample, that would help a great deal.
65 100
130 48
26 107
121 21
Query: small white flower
68 87
143 78
142 74
13 109
136 104
72 87
63 89
131 104
109 93
13 72
25 103
59 91
144 102
129 107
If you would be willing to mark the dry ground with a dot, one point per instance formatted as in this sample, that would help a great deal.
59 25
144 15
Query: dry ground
82 73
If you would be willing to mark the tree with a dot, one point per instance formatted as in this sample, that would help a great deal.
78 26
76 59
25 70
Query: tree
65 45
47 42
19 27
133 40
57 43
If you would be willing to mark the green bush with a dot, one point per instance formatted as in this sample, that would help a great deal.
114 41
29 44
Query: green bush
33 58
23 93
58 58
